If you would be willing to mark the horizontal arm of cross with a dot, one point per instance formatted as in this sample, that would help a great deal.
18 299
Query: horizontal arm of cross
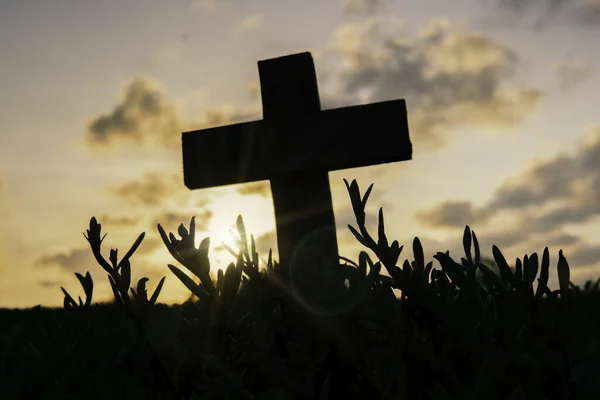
329 140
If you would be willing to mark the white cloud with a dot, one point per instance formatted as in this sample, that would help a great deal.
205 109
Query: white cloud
449 76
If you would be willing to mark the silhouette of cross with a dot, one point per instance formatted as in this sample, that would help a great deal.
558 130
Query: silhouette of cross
294 146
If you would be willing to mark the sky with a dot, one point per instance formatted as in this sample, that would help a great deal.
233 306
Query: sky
502 99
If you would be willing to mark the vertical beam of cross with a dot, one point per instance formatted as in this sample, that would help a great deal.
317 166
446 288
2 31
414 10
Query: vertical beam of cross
302 199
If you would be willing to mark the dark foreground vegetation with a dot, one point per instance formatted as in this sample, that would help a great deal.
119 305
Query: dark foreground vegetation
471 330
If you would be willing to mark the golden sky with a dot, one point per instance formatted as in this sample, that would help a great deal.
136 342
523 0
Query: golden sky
502 101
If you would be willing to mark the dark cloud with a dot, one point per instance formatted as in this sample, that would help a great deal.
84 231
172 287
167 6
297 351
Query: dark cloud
153 273
262 188
561 239
547 196
154 188
571 74
450 77
572 181
549 180
266 241
451 214
568 214
50 284
505 238
544 7
76 260
144 115
149 245
228 116
584 255
540 13
82 260
331 100
554 240
433 246
121 221
175 218
589 13
430 248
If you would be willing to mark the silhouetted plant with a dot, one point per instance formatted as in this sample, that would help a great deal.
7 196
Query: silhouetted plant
119 274
472 329
88 288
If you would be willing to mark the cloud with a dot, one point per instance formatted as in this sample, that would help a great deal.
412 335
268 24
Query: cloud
120 221
249 23
262 188
146 117
264 242
143 116
76 260
556 239
589 13
451 214
571 74
568 214
450 77
584 255
227 115
363 6
149 245
82 260
175 218
540 13
504 238
572 179
50 284
154 188
563 189
544 7
547 196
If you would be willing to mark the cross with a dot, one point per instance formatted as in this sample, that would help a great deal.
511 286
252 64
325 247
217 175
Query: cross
294 146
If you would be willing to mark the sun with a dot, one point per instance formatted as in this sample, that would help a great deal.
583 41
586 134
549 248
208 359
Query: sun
230 240
258 216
